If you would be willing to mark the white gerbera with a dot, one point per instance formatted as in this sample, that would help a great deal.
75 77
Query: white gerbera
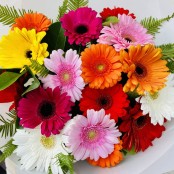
159 105
37 151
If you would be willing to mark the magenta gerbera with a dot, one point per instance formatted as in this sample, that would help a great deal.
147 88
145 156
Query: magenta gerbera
46 107
93 136
125 33
67 73
81 25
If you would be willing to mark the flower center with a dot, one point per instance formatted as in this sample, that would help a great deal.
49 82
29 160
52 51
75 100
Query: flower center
46 109
140 71
48 142
105 101
29 54
92 134
65 76
81 29
100 67
154 95
128 39
141 122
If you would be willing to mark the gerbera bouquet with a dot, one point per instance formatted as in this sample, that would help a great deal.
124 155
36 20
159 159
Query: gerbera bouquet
85 87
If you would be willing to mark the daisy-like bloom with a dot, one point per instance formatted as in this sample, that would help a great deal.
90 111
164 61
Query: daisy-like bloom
101 66
81 25
112 160
67 71
145 69
46 107
113 100
107 12
160 104
38 152
93 136
36 21
125 33
19 46
138 132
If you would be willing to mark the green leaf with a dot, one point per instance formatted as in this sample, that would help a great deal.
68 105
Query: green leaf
9 14
66 162
62 9
75 4
110 19
129 152
153 24
55 37
8 127
8 149
8 78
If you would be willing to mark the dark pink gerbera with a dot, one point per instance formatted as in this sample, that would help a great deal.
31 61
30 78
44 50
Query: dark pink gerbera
46 107
81 25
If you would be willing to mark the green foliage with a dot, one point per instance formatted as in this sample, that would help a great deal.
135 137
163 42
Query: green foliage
168 55
75 4
9 14
38 68
66 162
153 24
55 37
62 9
8 78
8 127
49 170
7 150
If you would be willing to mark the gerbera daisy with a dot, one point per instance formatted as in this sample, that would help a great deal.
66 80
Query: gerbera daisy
145 69
138 132
107 12
125 33
112 160
46 107
36 21
113 100
159 105
68 73
101 66
93 136
37 151
81 25
19 46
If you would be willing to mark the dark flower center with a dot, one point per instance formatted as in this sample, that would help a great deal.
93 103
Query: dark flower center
81 29
141 122
105 101
46 109
140 71
29 54
128 39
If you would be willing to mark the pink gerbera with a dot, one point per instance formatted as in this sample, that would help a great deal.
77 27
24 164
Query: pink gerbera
81 25
125 33
67 73
93 136
46 107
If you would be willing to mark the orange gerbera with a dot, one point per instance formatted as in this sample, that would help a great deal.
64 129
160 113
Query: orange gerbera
145 69
101 67
30 21
112 160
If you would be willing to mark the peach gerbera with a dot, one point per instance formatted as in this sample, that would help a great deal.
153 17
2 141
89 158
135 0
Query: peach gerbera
112 160
101 67
36 21
145 69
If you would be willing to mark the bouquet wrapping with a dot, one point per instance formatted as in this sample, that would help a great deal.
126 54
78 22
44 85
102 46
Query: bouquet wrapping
88 86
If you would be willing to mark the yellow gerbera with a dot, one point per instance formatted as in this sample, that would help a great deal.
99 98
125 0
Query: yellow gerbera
19 46
145 69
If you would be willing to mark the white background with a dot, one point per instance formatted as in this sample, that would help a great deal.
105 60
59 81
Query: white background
157 159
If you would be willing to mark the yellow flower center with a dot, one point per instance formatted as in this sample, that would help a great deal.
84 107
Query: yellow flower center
48 142
66 76
100 67
92 134
154 95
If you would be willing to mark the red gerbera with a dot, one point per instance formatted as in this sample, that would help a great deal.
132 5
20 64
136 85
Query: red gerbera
46 107
113 100
107 12
139 132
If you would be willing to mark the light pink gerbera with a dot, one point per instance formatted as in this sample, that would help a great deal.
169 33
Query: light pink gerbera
68 73
93 136
46 107
125 33
81 25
